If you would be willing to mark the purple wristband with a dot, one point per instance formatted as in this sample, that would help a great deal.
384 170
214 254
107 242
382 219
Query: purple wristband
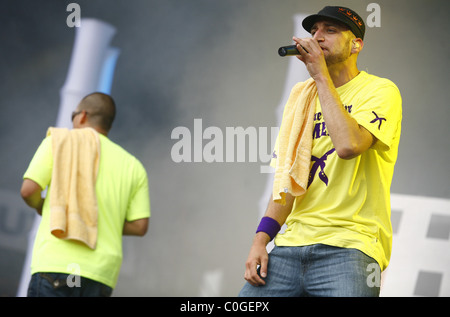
269 226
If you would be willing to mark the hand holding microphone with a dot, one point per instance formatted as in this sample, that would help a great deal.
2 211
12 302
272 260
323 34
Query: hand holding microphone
309 51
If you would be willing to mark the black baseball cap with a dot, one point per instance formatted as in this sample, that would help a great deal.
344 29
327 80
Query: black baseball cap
344 15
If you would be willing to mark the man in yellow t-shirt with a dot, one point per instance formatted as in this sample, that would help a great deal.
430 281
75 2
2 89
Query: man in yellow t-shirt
339 234
67 267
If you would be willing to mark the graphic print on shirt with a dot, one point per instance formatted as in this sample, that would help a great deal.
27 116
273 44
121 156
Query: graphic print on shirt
319 162
320 130
377 118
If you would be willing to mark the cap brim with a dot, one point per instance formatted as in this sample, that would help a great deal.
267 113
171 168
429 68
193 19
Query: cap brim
309 21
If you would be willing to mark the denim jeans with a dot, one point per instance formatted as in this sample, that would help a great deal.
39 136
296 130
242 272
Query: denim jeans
62 285
316 270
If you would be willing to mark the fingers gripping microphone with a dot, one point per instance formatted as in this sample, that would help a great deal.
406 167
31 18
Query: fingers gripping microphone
290 50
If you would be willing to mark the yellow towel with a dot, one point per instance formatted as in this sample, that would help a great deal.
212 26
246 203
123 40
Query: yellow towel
73 201
295 142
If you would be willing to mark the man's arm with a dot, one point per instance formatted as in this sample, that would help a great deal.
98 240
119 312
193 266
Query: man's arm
31 194
348 137
136 228
258 253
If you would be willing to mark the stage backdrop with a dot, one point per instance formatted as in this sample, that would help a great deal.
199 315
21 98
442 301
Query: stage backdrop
207 73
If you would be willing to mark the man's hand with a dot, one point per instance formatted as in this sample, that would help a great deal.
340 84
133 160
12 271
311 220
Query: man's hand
258 253
257 256
312 55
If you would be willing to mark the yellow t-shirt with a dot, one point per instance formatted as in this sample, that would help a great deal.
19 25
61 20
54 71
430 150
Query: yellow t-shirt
122 194
347 203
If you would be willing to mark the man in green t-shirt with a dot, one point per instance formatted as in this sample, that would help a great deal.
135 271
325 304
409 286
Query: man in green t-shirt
66 267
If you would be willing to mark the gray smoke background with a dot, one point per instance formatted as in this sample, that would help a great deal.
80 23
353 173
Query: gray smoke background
214 60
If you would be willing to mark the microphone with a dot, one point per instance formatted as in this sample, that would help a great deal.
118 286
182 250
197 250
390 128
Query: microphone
290 50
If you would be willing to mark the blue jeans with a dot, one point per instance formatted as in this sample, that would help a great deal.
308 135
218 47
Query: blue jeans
316 270
59 285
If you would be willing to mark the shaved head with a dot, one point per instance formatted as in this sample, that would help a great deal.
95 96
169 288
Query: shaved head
100 108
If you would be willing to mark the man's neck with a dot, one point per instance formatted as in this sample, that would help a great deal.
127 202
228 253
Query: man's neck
99 130
341 74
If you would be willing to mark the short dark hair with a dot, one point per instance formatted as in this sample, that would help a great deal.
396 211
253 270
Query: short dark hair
100 108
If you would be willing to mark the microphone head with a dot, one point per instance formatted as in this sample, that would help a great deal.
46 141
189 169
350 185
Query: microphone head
282 51
290 50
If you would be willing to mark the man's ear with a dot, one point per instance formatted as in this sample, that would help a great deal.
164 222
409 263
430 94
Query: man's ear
83 117
357 46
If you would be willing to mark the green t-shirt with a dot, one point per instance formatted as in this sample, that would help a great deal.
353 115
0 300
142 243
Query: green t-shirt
122 194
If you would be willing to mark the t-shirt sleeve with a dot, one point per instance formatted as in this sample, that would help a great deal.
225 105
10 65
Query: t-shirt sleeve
40 167
139 206
380 112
